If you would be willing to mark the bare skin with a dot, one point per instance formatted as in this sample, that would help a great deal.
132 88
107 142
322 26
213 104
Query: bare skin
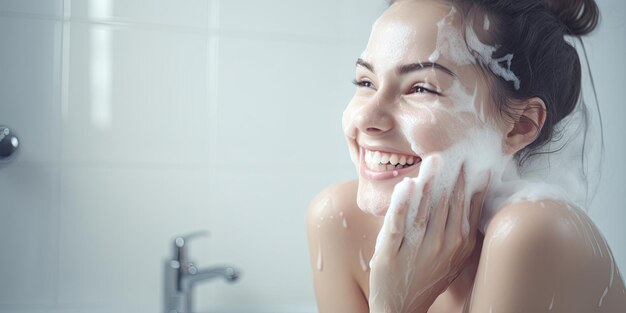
512 269
540 256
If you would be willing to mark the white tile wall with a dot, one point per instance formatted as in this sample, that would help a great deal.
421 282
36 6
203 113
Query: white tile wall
301 18
147 106
29 85
357 18
223 115
49 8
276 99
29 104
190 13
28 218
608 67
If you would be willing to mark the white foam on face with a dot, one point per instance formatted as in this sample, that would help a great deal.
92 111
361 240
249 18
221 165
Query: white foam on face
452 44
495 64
463 101
395 34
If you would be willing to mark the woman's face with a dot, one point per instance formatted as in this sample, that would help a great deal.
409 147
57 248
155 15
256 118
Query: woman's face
417 94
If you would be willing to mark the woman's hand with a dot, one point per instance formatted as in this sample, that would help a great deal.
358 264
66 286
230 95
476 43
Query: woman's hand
416 260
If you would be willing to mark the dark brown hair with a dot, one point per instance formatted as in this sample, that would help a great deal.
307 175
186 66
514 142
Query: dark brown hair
547 66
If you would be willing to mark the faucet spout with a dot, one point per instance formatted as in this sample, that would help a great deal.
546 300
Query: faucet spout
195 276
181 276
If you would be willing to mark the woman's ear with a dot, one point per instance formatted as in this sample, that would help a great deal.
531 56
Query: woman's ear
528 118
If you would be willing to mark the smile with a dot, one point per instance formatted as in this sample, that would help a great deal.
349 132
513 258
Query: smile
379 165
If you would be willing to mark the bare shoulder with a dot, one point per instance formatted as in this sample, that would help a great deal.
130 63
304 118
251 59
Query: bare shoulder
340 237
542 224
333 200
545 256
333 213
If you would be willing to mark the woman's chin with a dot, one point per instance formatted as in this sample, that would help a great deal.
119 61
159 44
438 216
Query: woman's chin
372 200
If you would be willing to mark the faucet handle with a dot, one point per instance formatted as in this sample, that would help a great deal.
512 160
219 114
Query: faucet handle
181 241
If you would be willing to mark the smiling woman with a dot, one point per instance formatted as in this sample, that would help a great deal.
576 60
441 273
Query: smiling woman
452 98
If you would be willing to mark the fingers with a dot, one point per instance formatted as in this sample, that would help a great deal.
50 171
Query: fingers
422 201
464 216
457 213
417 220
469 230
455 238
439 210
392 232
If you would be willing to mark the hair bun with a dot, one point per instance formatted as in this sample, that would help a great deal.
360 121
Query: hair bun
580 17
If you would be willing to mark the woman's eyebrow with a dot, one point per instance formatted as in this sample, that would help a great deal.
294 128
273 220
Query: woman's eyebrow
404 69
365 64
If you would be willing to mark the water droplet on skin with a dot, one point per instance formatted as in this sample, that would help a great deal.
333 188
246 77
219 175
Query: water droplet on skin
322 218
364 266
364 236
395 173
340 213
345 224
319 258
318 225
327 202
331 217
551 303
606 290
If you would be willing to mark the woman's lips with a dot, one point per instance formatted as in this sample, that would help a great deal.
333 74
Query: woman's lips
382 165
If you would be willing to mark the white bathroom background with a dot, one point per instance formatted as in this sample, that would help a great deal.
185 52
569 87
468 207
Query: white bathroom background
140 120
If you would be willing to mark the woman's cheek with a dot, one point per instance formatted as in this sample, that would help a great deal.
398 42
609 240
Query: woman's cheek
438 131
427 129
348 122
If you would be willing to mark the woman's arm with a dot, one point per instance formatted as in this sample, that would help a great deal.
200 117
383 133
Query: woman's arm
333 251
545 257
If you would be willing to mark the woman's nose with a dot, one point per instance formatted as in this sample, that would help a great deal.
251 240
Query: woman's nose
374 119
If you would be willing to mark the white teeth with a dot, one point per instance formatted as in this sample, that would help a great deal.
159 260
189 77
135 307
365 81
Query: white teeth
368 156
403 160
376 157
393 159
380 161
384 159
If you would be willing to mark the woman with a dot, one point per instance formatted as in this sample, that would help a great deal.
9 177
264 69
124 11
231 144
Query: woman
453 101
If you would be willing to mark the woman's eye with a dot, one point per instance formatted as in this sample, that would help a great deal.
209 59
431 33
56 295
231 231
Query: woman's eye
422 89
363 83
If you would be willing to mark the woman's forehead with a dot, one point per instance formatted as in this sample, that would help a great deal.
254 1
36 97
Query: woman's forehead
407 32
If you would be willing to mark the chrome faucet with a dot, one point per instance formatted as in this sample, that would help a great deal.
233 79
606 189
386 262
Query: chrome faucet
181 275
8 144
